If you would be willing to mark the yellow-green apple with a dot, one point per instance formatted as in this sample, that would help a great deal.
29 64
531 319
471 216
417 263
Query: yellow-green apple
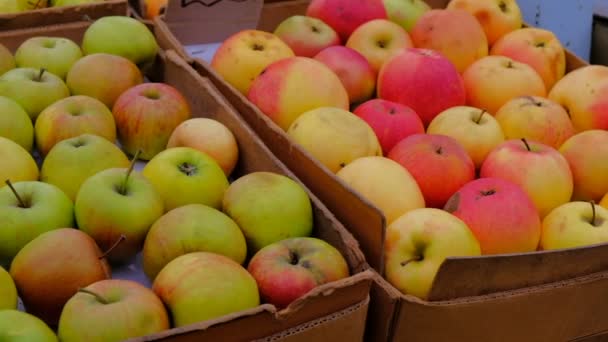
146 115
244 55
288 269
492 81
71 117
497 17
391 121
118 202
535 118
20 326
72 161
604 201
335 137
306 36
268 207
355 72
385 183
421 79
201 286
29 209
8 290
406 12
292 86
15 124
33 89
587 155
209 136
61 3
55 54
500 214
583 93
443 30
14 6
18 164
476 130
540 170
418 242
7 61
184 175
538 48
50 269
429 158
191 228
344 16
379 40
103 76
122 36
112 310
575 224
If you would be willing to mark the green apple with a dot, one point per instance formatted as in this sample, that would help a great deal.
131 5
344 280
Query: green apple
14 6
61 3
268 207
201 286
191 228
574 224
17 326
8 300
405 12
55 54
15 124
7 61
184 175
112 310
28 209
117 202
74 160
122 36
17 163
33 89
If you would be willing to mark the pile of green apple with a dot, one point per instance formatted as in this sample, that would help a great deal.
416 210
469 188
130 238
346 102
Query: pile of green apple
99 166
461 126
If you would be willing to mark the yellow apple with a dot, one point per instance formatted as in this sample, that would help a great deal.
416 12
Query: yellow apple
604 202
7 61
17 163
575 224
15 123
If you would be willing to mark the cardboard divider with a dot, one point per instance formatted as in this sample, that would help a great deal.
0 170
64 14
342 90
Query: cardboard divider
324 301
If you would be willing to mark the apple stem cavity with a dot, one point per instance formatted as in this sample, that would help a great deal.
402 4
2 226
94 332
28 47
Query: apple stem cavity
483 111
22 203
118 242
526 143
123 188
97 296
593 215
417 258
39 77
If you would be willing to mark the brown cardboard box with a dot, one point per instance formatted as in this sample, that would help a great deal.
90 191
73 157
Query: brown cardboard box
336 310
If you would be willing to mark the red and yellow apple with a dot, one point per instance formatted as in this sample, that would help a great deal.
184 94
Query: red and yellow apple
575 224
344 16
306 36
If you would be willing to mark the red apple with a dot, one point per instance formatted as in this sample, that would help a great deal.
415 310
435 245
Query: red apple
344 16
306 36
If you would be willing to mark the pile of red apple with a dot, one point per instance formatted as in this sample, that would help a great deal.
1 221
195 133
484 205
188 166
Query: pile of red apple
209 246
459 124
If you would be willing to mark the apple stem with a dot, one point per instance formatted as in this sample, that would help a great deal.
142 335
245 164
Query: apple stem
123 188
21 202
592 213
118 242
526 143
483 111
39 78
418 258
96 295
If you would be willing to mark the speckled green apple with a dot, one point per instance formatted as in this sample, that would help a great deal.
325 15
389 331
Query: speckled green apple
18 326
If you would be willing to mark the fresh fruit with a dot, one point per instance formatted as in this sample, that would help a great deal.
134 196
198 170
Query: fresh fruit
191 228
183 175
344 16
61 3
429 158
20 326
540 170
55 54
306 36
417 244
28 209
286 270
493 81
384 183
15 6
604 202
378 40
7 61
475 129
33 89
535 118
423 80
208 136
335 137
8 300
443 30
244 55
575 224
292 86
17 163
50 269
153 8
501 215
103 76
406 12
587 155
355 72
71 117
146 115
201 286
15 124
112 310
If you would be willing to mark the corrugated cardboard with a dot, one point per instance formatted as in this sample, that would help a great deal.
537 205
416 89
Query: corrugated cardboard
336 310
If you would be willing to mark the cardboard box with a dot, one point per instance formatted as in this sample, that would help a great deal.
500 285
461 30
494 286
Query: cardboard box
336 310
